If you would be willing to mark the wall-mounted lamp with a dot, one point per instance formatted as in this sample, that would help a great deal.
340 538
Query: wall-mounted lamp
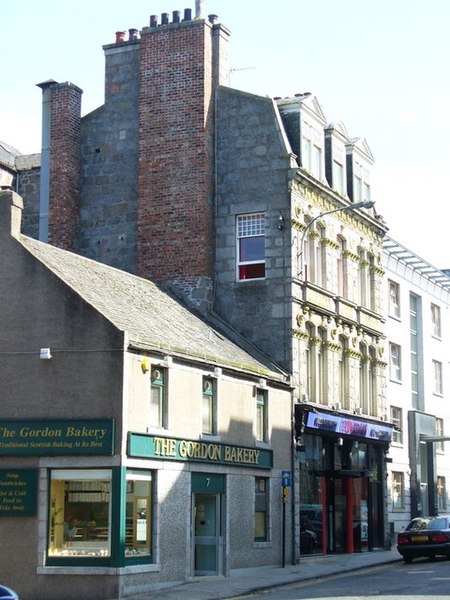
145 365
340 441
167 361
280 223
263 384
349 207
45 354
217 372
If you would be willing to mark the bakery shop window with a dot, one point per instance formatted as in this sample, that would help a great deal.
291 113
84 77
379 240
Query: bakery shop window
80 513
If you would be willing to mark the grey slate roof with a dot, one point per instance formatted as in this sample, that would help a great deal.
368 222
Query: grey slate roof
25 162
14 159
8 155
153 319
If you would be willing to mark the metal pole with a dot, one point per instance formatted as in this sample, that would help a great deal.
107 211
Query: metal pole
283 532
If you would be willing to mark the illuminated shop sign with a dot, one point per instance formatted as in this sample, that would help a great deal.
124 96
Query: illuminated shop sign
19 438
348 426
18 492
151 446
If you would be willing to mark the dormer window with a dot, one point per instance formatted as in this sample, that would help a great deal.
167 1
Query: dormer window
338 177
359 163
312 154
335 157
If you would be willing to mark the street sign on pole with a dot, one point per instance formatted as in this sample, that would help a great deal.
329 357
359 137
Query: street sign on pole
286 478
285 485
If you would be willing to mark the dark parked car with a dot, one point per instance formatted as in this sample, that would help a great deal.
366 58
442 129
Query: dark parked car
425 536
7 593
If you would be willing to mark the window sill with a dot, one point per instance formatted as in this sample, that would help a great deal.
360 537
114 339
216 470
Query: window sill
395 317
251 280
210 437
261 444
57 570
262 544
395 380
157 430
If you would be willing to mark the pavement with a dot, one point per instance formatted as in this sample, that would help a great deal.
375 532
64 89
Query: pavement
245 581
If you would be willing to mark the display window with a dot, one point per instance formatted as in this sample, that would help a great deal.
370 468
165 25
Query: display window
138 533
80 513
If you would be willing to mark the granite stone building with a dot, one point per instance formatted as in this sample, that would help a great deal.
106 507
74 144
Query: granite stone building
253 210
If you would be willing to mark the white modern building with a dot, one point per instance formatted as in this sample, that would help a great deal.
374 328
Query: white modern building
418 387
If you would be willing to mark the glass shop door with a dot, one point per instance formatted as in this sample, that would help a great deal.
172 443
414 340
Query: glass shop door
207 534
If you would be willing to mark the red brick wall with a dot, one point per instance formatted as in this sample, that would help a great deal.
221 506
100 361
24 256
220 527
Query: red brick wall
64 165
175 211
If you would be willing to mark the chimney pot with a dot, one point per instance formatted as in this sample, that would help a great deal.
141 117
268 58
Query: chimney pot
164 18
199 6
176 16
120 36
187 14
212 19
132 35
153 21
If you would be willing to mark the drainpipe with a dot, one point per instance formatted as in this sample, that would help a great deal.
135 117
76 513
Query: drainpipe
294 478
44 190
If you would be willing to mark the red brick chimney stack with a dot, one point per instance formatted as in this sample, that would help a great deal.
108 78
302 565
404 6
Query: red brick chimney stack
176 150
60 171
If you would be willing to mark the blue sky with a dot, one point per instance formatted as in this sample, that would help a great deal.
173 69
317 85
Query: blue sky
382 68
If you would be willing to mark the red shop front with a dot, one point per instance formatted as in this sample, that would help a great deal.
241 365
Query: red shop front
342 476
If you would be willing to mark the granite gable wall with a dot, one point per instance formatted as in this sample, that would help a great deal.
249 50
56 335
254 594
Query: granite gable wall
252 176
109 163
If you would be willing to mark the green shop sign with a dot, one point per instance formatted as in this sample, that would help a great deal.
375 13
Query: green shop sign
151 446
18 492
20 438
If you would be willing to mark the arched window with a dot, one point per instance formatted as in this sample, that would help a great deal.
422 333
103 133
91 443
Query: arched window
342 268
343 372
322 367
309 358
306 253
319 257
363 379
372 383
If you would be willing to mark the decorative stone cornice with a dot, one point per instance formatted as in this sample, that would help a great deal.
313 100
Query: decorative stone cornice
351 255
353 354
321 201
377 270
379 363
298 334
330 243
296 224
333 346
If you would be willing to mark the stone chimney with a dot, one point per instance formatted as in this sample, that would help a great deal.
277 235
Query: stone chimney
178 74
11 207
